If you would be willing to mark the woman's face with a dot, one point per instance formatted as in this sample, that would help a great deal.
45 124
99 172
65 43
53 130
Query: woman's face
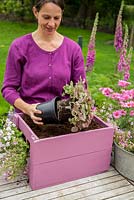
49 18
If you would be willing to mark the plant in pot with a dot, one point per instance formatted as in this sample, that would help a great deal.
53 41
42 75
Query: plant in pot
77 108
73 113
118 109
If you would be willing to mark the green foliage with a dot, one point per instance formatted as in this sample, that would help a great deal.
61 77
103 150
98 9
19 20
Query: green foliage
106 24
96 81
71 8
81 10
19 8
13 149
110 6
128 14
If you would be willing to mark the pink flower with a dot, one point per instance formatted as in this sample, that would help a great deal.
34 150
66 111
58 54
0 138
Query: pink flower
126 75
130 104
121 63
131 113
123 112
127 94
125 97
131 93
115 96
123 83
123 105
117 114
106 91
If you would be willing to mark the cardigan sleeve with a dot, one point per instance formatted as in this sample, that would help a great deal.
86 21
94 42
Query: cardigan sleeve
13 75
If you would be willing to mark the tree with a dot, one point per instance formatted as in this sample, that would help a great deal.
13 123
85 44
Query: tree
85 11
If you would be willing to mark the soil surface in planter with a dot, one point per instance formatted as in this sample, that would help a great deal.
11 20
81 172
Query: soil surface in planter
52 130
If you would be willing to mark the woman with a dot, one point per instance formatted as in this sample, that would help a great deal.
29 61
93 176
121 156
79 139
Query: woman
39 64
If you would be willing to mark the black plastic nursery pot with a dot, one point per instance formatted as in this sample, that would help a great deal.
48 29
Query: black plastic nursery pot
49 113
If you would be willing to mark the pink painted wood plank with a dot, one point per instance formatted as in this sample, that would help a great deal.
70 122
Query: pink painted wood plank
69 169
22 125
71 145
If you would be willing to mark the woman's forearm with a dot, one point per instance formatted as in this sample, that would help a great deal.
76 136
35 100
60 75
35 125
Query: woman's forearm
21 105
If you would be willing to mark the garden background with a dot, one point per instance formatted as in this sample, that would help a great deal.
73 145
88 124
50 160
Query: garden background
16 19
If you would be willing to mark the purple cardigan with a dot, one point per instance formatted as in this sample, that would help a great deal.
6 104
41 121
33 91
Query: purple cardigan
36 75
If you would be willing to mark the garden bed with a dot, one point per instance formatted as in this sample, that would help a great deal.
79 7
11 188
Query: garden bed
52 130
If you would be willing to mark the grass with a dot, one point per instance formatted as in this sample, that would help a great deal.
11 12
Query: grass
106 58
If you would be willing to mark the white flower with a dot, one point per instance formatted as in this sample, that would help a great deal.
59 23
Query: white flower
7 144
13 125
8 121
8 128
9 137
1 131
1 144
5 138
10 133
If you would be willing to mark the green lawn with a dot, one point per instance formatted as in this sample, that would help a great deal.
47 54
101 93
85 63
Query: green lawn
106 58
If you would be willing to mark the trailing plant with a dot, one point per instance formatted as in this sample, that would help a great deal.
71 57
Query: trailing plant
81 105
13 149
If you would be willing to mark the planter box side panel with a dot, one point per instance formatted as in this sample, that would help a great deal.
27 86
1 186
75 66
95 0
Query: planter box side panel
60 171
71 145
22 125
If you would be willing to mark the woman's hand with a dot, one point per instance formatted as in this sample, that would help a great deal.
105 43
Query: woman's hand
29 109
32 111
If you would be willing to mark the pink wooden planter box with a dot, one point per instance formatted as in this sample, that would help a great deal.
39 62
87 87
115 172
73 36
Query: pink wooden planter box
68 157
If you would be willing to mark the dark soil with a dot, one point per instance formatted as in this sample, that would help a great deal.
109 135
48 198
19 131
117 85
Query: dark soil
52 130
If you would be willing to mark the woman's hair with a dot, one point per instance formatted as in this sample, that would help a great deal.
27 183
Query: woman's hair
40 3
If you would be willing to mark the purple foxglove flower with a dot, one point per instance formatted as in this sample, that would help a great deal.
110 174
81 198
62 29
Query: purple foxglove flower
118 40
90 60
91 47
